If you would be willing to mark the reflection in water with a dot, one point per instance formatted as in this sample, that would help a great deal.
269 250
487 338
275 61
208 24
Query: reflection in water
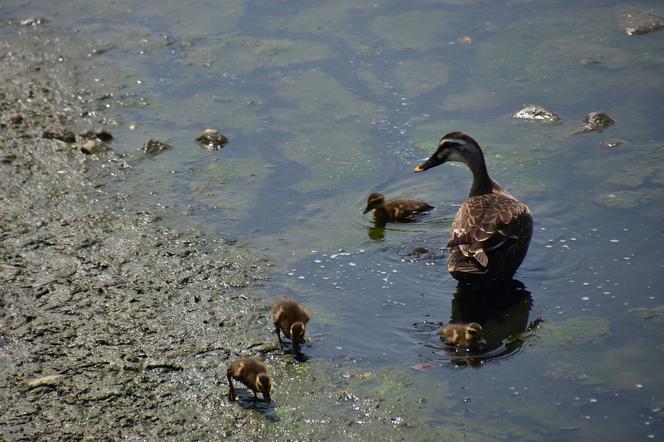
377 233
503 312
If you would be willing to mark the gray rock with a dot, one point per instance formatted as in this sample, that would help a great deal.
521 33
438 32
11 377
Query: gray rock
212 139
535 112
95 146
153 147
635 22
59 133
595 122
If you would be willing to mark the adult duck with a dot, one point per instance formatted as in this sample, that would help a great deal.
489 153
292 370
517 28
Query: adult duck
492 229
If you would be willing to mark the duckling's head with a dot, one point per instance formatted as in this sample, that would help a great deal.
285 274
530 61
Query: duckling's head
297 332
455 146
374 201
263 385
474 335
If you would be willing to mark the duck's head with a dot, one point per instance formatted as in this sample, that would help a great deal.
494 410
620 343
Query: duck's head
374 201
297 332
455 146
474 335
263 385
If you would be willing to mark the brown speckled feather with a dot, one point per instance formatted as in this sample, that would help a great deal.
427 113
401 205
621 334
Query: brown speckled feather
489 236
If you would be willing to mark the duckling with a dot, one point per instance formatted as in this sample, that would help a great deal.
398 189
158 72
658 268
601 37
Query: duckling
253 374
492 229
463 335
395 210
290 318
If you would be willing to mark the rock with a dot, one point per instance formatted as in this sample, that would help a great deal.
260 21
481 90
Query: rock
33 21
212 139
92 147
595 122
535 112
59 133
635 22
612 143
15 119
153 147
590 60
50 381
98 134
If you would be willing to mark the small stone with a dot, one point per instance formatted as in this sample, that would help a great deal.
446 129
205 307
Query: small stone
466 40
153 147
612 143
33 21
92 147
212 139
590 60
15 119
635 22
44 380
59 133
535 112
595 122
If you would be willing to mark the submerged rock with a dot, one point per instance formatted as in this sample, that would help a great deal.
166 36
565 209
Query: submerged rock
590 60
535 112
595 122
212 139
59 133
635 22
153 147
612 143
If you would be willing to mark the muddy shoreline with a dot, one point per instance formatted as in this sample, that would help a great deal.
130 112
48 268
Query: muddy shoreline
111 324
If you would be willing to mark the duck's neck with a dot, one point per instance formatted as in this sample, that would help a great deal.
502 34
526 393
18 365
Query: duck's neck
381 215
482 183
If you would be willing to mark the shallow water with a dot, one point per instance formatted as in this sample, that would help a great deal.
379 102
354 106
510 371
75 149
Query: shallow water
326 102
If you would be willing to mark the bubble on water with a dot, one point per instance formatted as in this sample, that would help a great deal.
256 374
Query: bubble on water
614 240
585 298
639 386
592 400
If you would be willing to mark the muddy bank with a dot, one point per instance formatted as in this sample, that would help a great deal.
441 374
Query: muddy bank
113 325
110 324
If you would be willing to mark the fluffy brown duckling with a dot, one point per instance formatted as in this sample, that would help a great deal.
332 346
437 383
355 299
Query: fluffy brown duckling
291 319
492 229
253 374
463 335
394 210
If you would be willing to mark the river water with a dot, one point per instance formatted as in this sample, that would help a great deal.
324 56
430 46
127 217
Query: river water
326 102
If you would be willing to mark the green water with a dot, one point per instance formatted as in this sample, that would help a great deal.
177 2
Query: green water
326 102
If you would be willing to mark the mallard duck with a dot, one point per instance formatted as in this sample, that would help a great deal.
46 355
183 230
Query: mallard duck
463 335
492 229
252 373
290 318
394 210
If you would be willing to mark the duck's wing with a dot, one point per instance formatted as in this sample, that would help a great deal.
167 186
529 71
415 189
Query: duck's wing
486 223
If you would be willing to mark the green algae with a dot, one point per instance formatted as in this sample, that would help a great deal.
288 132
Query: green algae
332 136
241 54
569 334
416 30
420 76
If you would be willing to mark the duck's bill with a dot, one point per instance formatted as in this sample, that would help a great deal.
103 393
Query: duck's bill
367 210
428 164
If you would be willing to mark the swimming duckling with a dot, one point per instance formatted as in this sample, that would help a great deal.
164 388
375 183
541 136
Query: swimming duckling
252 373
290 318
492 229
395 210
463 335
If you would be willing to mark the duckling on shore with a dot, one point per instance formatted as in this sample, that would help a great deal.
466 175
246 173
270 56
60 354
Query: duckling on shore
394 210
253 374
291 319
463 335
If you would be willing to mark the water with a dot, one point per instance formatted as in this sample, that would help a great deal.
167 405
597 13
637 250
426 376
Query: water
326 102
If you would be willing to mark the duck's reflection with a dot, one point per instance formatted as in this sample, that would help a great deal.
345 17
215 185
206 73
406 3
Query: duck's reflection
503 312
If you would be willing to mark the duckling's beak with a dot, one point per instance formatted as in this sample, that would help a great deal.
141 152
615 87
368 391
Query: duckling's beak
367 209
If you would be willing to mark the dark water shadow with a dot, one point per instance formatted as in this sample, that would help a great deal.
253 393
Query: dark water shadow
502 311
245 399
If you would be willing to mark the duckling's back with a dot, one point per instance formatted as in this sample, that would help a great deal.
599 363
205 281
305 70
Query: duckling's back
286 311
